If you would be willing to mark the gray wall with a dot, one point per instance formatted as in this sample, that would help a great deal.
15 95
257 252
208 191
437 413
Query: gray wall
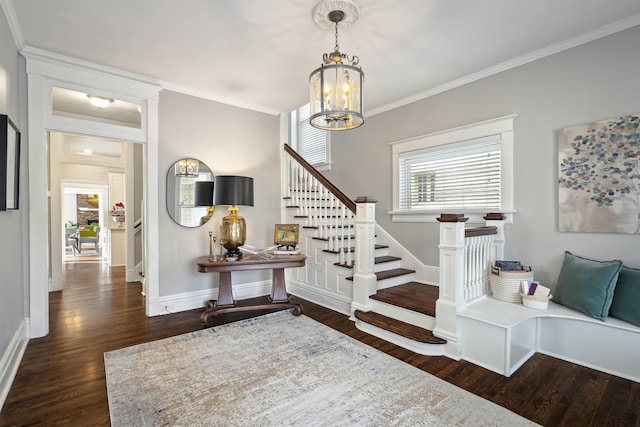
231 141
13 224
592 82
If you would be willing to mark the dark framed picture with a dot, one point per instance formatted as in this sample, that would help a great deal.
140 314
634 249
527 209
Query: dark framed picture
286 234
9 164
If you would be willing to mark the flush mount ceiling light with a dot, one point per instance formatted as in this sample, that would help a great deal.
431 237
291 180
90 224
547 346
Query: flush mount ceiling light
336 88
99 101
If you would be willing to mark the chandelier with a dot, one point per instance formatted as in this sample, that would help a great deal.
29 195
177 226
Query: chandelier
336 88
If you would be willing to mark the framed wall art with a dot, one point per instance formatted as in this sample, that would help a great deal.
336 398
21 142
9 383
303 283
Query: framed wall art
599 176
286 234
9 164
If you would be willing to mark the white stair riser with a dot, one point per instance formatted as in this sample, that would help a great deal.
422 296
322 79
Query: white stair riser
395 281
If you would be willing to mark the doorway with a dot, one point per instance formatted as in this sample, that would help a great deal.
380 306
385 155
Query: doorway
92 181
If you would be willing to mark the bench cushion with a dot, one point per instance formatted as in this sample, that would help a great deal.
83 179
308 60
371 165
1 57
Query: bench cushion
626 298
587 285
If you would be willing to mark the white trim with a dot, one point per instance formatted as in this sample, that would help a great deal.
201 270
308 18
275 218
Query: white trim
424 273
598 33
415 346
475 217
44 71
11 359
500 125
57 66
197 299
327 299
14 24
218 98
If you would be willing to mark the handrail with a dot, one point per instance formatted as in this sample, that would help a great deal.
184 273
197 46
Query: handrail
350 204
480 231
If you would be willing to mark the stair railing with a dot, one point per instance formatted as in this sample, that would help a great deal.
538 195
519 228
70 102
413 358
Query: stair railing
348 225
466 256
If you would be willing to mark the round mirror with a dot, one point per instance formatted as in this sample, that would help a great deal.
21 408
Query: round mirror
190 192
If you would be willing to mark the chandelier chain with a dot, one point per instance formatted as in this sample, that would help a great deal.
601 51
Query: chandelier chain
337 48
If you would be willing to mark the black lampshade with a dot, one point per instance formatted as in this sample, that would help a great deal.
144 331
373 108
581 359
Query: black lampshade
233 190
204 193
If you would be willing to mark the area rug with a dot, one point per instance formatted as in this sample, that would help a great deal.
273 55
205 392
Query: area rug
282 370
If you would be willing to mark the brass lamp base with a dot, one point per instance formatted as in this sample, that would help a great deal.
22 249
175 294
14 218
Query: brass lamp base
207 217
233 232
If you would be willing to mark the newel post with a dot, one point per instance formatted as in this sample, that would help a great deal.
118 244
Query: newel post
364 277
451 297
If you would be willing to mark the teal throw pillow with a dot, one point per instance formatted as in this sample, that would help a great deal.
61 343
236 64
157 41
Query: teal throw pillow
587 285
626 298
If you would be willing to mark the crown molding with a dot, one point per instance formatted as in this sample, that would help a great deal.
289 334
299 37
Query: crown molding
55 58
217 98
590 36
14 25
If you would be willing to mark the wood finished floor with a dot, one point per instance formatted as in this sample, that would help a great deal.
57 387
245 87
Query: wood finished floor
61 379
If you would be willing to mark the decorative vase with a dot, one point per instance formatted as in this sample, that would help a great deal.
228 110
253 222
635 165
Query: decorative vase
117 216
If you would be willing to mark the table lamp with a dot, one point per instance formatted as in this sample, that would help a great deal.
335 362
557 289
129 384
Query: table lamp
204 197
233 191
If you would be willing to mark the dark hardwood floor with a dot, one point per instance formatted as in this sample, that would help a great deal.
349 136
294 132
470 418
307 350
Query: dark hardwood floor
61 379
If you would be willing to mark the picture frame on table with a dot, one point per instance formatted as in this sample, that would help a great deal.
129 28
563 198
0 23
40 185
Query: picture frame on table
286 234
9 164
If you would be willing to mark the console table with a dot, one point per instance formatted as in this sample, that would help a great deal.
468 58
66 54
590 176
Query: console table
225 302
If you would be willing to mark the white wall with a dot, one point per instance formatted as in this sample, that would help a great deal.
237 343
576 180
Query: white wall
231 141
13 224
595 81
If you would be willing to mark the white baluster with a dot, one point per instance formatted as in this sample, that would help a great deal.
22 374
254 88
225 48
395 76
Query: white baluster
316 207
289 177
349 219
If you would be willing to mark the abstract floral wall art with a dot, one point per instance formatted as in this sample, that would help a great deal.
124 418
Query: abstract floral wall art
599 176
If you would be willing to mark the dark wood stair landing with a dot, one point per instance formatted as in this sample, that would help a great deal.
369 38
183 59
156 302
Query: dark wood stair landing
413 296
399 327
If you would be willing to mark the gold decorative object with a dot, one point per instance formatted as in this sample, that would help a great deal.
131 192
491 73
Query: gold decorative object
233 191
212 240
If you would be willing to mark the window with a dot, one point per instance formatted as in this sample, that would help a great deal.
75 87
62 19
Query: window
311 143
463 170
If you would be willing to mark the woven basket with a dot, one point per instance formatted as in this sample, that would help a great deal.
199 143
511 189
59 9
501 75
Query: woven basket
505 285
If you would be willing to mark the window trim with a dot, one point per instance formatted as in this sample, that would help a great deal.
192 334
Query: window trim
501 125
292 118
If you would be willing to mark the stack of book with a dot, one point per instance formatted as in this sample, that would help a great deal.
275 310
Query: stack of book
287 250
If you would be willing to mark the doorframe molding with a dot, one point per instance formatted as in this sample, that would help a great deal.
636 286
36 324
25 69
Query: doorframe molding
46 70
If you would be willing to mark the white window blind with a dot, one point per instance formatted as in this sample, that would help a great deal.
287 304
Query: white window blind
309 142
463 175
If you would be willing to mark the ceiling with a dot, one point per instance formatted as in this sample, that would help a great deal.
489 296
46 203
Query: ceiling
258 54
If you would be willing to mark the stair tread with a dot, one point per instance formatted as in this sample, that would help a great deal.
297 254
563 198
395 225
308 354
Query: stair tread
388 274
399 327
377 260
386 258
395 272
414 296
352 249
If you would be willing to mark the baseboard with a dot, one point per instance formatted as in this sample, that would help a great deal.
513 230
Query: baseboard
316 296
11 359
191 300
134 274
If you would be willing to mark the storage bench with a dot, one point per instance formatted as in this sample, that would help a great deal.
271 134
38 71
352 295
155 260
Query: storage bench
501 336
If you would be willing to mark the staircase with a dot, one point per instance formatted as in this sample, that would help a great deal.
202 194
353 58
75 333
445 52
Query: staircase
402 310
